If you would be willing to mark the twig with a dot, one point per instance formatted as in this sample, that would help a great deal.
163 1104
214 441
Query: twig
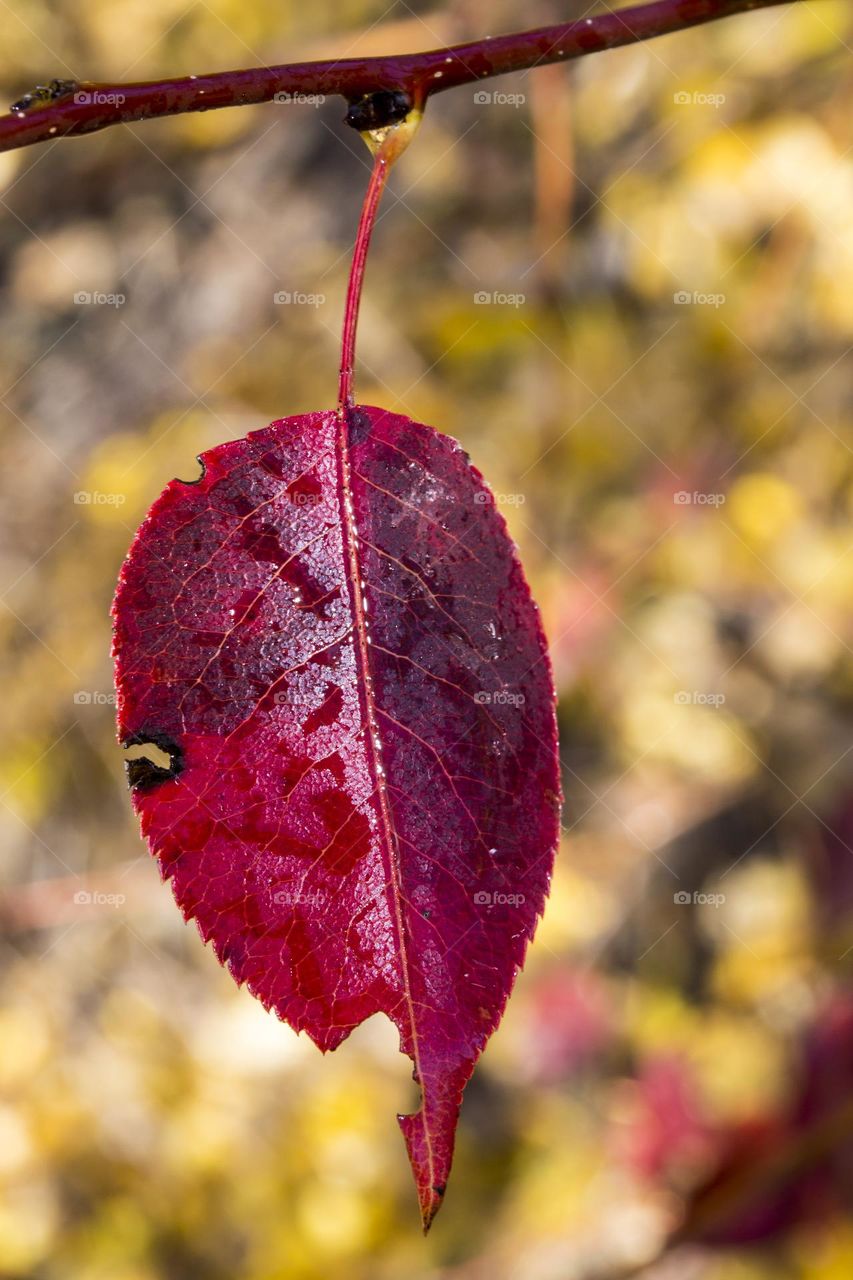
79 108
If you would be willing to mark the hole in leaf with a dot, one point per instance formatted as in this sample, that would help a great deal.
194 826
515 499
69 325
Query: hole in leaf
196 479
152 758
378 1040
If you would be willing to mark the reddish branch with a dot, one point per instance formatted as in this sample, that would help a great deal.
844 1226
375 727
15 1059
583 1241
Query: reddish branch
88 106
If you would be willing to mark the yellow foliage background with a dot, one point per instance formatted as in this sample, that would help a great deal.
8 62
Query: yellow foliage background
659 390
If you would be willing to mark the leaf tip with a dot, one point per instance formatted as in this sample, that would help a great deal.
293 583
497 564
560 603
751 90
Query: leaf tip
430 1161
431 1204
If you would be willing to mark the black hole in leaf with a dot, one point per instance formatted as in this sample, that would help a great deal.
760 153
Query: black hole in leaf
153 758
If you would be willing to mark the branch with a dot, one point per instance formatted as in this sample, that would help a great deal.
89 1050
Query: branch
77 108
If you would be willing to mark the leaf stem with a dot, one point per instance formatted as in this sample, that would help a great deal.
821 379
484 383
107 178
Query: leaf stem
386 144
366 223
86 106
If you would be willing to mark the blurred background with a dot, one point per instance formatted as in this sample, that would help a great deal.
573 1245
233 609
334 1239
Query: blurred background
627 287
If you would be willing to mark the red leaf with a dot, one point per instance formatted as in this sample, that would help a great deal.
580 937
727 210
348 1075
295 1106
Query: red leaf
332 637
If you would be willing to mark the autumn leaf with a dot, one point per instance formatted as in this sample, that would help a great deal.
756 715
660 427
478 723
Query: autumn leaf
353 780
